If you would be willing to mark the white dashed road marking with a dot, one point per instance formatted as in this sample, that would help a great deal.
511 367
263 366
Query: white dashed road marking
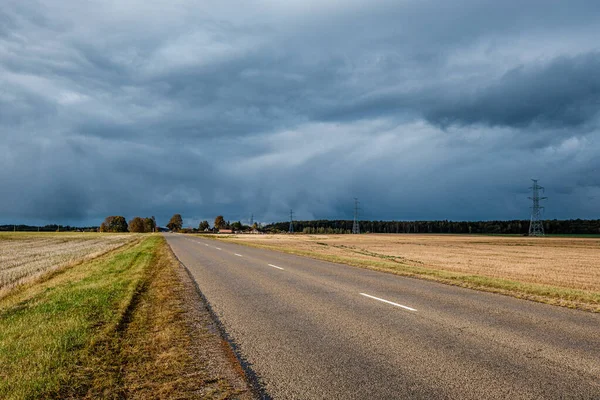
239 255
275 266
389 302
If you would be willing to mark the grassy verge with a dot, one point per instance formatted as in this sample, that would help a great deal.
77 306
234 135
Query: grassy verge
171 348
555 295
112 327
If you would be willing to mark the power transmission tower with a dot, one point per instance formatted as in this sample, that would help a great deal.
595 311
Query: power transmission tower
252 220
356 225
536 226
291 230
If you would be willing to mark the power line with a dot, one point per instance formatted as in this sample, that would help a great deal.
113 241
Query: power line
536 226
291 230
356 224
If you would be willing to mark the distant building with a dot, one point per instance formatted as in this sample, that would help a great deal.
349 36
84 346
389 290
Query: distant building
225 231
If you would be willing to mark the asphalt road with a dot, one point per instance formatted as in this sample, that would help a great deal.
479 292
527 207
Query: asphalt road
316 330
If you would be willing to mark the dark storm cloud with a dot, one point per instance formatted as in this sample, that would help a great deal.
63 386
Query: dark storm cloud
564 93
422 109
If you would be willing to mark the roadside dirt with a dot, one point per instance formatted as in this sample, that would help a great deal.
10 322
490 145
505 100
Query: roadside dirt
173 348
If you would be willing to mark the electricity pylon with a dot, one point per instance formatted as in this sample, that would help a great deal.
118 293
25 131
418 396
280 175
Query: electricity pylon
356 225
291 230
536 226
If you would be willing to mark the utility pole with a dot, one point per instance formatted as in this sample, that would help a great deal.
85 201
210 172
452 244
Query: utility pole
536 226
291 230
356 225
252 221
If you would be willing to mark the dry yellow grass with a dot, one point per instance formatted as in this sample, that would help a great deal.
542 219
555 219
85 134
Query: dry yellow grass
170 347
26 256
568 263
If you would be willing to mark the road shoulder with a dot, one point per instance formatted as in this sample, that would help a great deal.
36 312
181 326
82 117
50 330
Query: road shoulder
188 358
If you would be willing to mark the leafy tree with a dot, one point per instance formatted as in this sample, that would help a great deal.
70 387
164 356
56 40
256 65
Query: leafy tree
104 226
203 226
237 226
175 223
149 224
220 222
138 225
114 223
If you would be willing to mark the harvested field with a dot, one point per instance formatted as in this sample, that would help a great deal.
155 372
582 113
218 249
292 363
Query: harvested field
26 256
498 262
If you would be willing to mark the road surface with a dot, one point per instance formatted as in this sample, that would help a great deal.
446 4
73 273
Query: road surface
311 329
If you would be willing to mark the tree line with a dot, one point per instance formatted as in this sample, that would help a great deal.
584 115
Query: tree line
221 224
515 227
118 223
47 228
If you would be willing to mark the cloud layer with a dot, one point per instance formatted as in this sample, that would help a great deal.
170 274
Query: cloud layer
422 109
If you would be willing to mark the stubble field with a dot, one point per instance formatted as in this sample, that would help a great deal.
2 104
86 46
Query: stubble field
563 271
26 256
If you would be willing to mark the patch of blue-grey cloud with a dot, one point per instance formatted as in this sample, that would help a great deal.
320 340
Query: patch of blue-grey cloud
422 109
564 92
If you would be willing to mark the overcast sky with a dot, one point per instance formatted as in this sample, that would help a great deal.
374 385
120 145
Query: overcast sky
421 109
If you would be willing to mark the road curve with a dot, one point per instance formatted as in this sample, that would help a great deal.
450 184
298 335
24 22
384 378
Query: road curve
316 330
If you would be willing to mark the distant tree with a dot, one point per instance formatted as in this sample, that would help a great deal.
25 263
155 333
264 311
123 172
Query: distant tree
237 226
114 223
175 223
138 225
149 224
203 226
220 222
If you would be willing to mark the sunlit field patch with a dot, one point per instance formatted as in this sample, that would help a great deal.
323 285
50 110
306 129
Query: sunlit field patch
26 256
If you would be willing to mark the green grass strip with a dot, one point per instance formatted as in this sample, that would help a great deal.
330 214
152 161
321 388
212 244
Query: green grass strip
48 331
